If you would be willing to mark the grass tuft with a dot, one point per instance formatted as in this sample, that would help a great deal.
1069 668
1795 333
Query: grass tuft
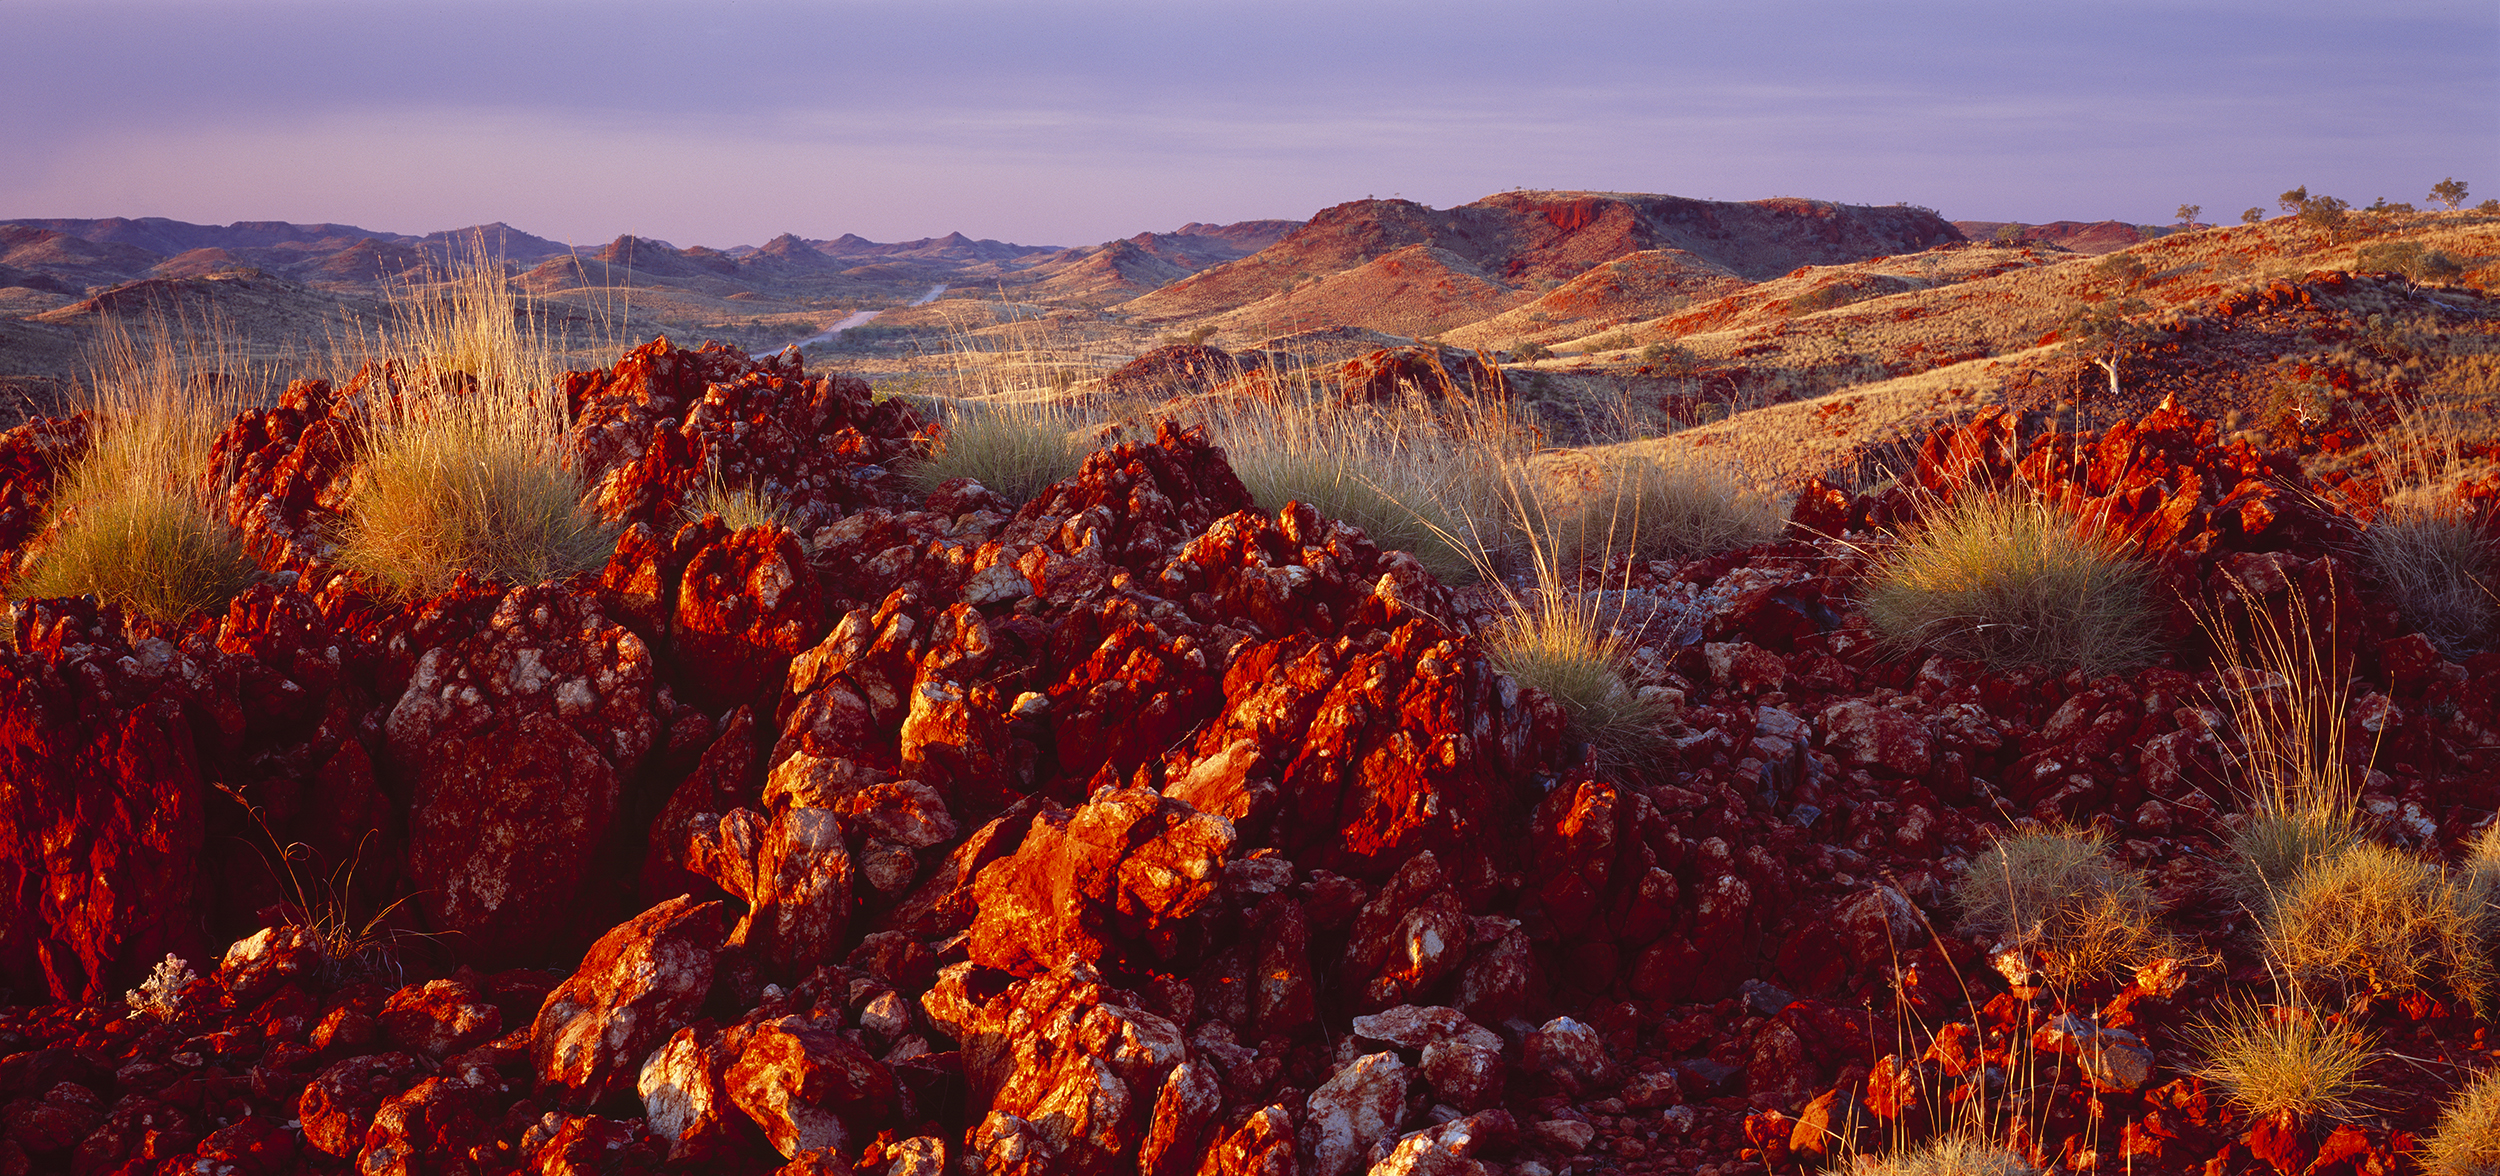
2285 1062
462 466
137 520
1999 580
2467 1140
1016 450
1674 507
2059 894
2276 845
2374 921
2440 570
739 507
1565 645
1960 1153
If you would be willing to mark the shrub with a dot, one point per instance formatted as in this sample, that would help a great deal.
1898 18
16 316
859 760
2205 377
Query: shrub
2373 921
159 997
1961 1153
1675 507
2410 259
2467 1140
2439 568
2284 1062
1015 450
2252 216
2058 894
2007 582
1529 352
137 523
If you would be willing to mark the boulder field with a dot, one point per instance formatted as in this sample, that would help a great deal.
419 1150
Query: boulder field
1132 830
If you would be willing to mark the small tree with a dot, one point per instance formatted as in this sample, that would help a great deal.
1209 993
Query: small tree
2252 216
2294 200
2187 216
2450 191
2102 328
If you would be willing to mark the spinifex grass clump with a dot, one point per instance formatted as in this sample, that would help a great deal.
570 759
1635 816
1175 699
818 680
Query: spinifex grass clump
137 523
2009 582
2439 567
1015 449
1412 482
462 468
1672 507
2059 895
2373 921
739 507
1564 644
2467 1140
2288 701
1961 1153
2286 1062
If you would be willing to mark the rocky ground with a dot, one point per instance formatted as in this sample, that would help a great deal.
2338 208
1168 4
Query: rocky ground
1126 830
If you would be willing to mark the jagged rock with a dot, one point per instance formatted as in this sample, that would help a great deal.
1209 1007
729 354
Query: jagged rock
685 1095
1128 868
809 1088
1569 1056
1460 1059
338 1105
1262 1146
258 963
639 984
794 872
520 741
1083 1064
438 1117
103 824
439 1018
1360 1105
1009 1146
746 604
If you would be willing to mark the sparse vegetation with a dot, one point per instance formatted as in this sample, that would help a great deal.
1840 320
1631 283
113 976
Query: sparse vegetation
1565 644
2060 896
462 463
1015 449
2410 259
1666 507
135 522
1998 579
2438 566
2374 921
739 507
2286 1061
2467 1140
1960 1153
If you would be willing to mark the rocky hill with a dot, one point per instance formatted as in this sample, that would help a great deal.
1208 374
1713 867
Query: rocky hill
1525 240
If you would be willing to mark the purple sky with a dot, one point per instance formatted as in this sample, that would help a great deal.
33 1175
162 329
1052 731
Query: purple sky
730 121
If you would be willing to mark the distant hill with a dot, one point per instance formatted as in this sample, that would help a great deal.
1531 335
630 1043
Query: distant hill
1534 241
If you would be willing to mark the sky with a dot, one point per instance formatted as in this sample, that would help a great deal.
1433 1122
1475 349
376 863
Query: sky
729 122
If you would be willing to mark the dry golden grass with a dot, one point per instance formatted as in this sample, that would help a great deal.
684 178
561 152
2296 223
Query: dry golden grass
2059 894
1015 448
1999 580
739 507
2376 922
1669 504
2286 1061
2467 1140
463 464
137 520
1565 644
1960 1153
